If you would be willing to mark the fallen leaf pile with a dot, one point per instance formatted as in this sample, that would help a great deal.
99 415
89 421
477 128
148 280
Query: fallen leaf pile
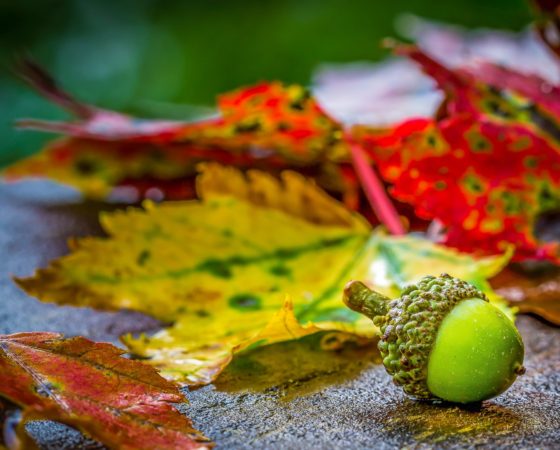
258 260
485 167
122 403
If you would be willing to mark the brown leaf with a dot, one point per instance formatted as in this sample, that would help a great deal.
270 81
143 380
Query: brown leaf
532 293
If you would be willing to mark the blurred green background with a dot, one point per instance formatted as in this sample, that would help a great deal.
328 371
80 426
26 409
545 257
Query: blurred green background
155 58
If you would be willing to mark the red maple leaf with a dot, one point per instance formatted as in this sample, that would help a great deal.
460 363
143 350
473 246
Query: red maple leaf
486 166
268 126
267 117
123 403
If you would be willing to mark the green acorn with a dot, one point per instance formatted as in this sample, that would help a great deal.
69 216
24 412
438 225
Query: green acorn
443 339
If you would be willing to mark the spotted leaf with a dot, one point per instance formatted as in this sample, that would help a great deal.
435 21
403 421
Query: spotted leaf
486 167
269 126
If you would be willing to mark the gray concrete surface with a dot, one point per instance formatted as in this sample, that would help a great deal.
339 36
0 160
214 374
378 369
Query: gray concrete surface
291 396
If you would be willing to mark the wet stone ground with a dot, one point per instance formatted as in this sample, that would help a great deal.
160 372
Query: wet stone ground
291 395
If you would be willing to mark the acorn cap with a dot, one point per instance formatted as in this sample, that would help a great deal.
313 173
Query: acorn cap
409 324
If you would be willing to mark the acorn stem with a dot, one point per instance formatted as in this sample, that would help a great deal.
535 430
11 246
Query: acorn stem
360 298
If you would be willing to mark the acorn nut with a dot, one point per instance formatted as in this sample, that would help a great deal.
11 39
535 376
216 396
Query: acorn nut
442 339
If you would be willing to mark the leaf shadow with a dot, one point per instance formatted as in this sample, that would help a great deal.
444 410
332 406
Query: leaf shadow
40 216
427 421
295 368
79 218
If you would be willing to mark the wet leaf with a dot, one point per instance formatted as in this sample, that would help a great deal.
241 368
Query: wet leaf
486 167
221 269
122 403
537 293
196 349
182 352
398 261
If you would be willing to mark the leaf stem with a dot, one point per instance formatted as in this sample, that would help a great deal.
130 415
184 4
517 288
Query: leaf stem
375 191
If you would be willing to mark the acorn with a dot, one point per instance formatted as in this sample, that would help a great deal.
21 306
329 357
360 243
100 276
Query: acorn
442 339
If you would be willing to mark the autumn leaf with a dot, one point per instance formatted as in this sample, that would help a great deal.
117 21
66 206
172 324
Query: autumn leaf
267 126
536 293
221 269
195 350
168 258
122 403
185 352
268 115
486 167
97 167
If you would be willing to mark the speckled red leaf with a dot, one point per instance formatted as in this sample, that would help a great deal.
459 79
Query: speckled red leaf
486 166
269 116
272 116
269 126
122 403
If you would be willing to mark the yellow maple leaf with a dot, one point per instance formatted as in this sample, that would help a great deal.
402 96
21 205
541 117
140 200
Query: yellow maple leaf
229 249
196 349
220 269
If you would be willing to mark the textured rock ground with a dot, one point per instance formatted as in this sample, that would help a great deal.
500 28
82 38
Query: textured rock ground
290 396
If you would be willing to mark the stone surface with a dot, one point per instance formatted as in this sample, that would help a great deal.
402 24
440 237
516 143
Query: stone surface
292 395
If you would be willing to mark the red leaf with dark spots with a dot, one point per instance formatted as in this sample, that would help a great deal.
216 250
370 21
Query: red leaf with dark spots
270 116
486 167
269 126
